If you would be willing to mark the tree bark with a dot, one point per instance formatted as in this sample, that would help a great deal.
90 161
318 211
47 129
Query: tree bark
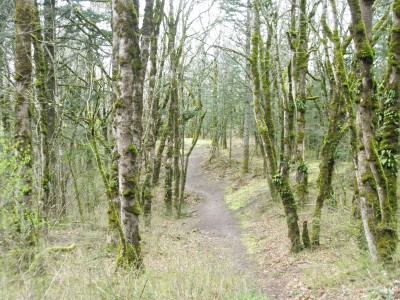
49 36
247 104
43 97
375 206
300 73
128 125
389 145
281 179
23 89
147 191
340 95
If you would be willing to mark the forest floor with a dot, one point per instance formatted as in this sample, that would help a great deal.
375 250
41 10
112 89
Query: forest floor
183 258
212 217
231 244
337 269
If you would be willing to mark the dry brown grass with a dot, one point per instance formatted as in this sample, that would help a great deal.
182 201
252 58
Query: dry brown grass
338 269
179 264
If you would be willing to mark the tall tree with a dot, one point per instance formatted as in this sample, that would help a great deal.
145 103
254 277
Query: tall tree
153 104
49 106
43 97
247 102
281 175
128 124
340 96
300 96
389 144
376 208
23 94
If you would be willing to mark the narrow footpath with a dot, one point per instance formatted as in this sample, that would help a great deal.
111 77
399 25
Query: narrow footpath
212 217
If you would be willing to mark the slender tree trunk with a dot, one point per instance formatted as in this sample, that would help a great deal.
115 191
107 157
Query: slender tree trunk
23 91
186 161
42 97
215 130
74 182
49 35
267 104
174 56
246 137
159 153
168 177
114 206
176 141
49 38
128 127
339 94
300 73
150 146
389 145
224 129
247 105
113 219
5 102
281 180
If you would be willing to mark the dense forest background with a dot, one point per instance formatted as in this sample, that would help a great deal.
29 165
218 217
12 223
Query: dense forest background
122 123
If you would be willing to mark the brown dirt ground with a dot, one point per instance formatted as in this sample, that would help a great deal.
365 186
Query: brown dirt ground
214 219
278 273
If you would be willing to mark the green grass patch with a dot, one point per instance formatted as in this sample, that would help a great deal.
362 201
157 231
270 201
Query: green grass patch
247 194
179 264
250 242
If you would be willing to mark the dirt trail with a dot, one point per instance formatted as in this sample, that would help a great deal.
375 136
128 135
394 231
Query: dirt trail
212 216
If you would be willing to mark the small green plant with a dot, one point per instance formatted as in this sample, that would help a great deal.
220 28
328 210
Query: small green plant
277 179
388 160
303 167
301 106
383 293
390 97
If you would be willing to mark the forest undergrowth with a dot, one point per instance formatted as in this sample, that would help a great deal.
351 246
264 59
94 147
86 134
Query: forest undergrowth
75 263
337 269
181 263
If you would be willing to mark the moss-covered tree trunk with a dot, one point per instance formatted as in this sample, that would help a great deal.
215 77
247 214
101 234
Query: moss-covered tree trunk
265 62
389 144
159 153
49 12
174 111
78 197
339 93
150 141
281 177
49 36
300 73
128 125
215 123
168 176
224 130
43 97
376 212
114 206
246 136
146 36
24 10
161 127
247 103
199 122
